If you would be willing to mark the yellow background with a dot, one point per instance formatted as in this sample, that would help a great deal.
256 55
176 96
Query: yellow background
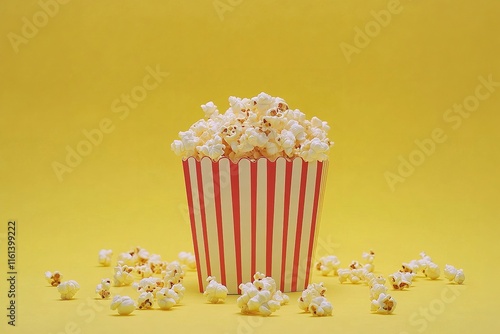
129 190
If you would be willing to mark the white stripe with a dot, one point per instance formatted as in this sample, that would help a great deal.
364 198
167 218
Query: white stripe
307 223
245 219
228 224
261 215
208 189
279 202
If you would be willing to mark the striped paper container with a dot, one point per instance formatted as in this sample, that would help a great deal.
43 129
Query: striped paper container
254 216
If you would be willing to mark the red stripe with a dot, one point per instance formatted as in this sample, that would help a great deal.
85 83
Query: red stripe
286 217
235 194
253 213
189 193
218 216
271 186
317 191
203 216
300 217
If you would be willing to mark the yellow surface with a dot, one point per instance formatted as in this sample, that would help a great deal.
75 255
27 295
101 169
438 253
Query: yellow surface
381 95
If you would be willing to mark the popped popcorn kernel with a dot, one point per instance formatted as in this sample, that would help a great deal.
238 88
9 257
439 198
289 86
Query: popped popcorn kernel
215 292
54 278
384 304
453 274
263 126
124 305
320 307
328 264
258 297
312 291
68 289
168 297
432 271
187 259
102 289
123 275
145 300
401 280
105 257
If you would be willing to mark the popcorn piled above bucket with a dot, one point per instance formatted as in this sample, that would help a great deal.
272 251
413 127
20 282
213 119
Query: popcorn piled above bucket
262 126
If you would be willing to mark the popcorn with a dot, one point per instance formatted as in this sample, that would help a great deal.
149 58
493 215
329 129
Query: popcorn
453 274
187 259
401 280
149 284
215 292
144 271
312 291
54 278
327 264
123 275
68 289
173 274
102 289
145 300
105 257
262 126
384 304
353 275
258 297
320 306
376 290
432 271
124 305
167 298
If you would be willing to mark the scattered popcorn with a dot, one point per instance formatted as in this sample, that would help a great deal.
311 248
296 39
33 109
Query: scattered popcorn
262 126
368 257
187 259
258 296
54 278
123 275
145 300
320 306
156 264
401 280
124 305
167 298
312 291
376 290
215 292
384 304
102 289
281 297
105 257
432 270
355 276
327 264
149 284
68 289
173 274
414 266
453 274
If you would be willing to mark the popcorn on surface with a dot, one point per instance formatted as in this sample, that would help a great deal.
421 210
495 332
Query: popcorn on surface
187 259
102 289
384 304
123 275
258 296
124 305
215 292
453 274
262 126
145 300
54 278
105 257
328 264
320 306
68 289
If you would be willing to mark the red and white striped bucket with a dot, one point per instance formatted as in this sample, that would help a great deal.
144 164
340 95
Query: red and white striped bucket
254 216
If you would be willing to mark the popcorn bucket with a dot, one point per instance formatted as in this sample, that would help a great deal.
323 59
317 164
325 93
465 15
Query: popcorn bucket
254 216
